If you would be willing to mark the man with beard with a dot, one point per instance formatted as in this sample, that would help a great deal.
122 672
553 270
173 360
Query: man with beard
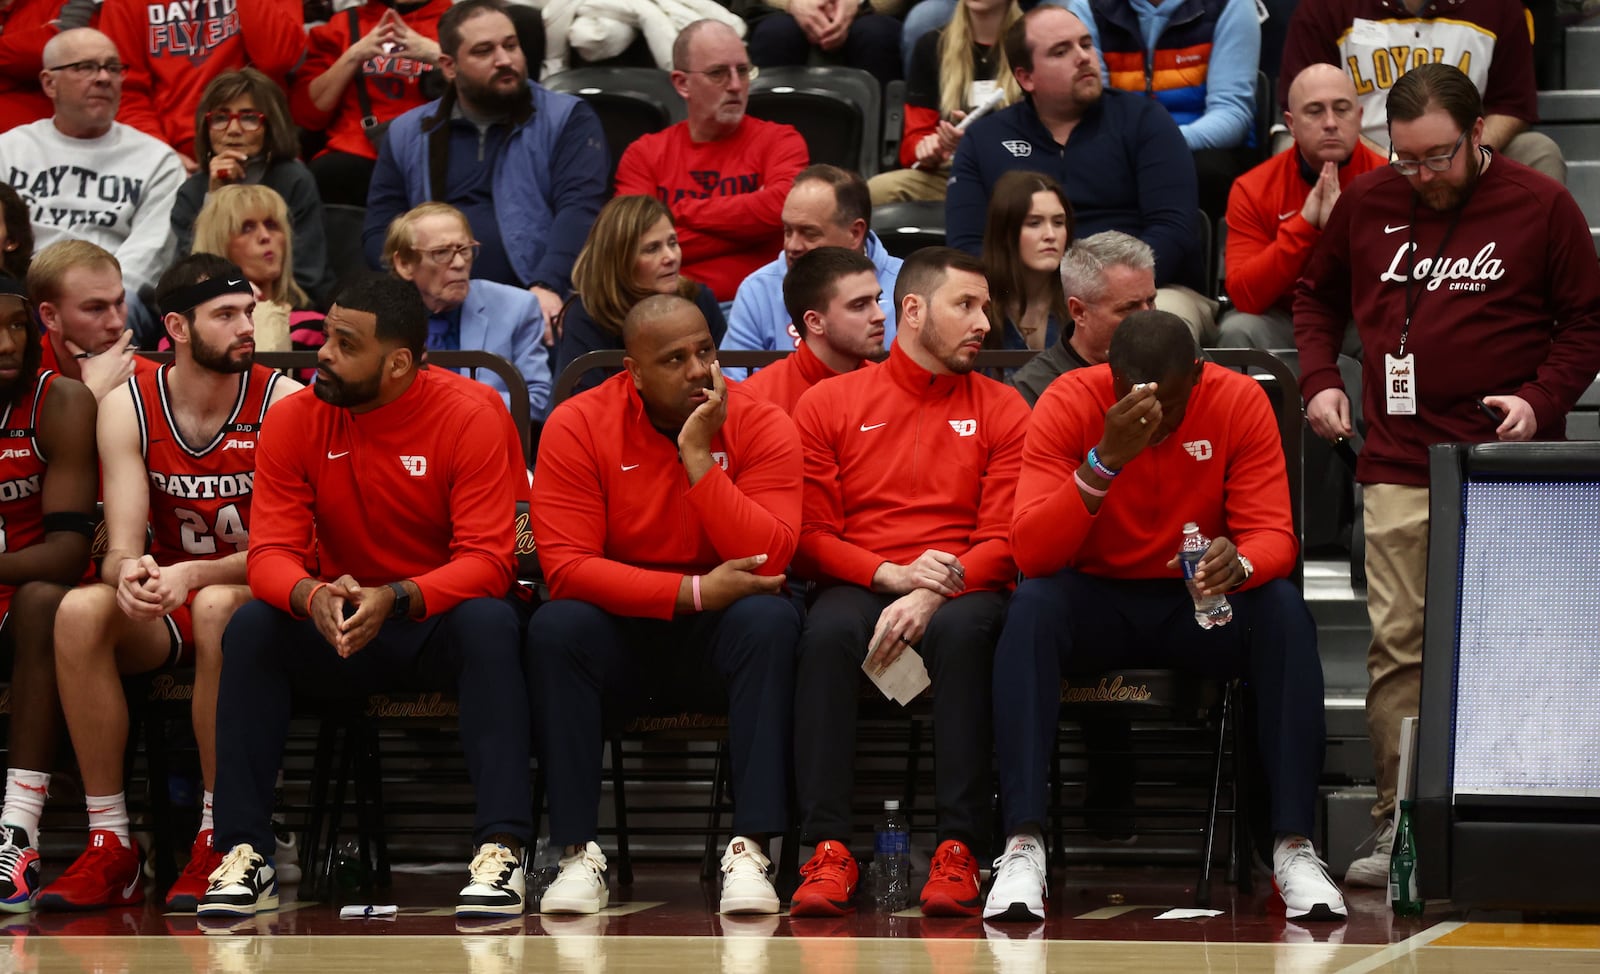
911 468
47 492
526 165
383 554
177 454
1458 301
669 504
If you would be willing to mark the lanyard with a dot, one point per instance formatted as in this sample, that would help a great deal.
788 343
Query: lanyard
1411 264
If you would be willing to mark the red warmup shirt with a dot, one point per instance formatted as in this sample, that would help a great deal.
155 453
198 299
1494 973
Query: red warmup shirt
616 520
1269 241
784 381
424 488
1510 307
726 196
394 82
899 460
25 27
48 360
174 49
22 472
1222 468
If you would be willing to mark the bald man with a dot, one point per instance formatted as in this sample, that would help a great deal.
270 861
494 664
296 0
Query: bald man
668 506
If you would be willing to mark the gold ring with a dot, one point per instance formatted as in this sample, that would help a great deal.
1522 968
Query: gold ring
1143 420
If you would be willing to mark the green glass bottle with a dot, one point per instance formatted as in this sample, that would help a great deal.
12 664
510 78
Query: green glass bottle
1403 896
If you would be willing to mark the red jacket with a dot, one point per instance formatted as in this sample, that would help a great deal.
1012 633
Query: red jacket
726 196
899 460
784 381
616 520
424 488
25 27
1222 468
1269 241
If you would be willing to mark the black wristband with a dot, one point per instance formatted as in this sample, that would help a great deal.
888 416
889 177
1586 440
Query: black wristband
75 521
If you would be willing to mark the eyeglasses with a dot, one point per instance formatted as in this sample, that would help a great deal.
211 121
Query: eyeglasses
720 74
248 120
1410 167
88 69
445 256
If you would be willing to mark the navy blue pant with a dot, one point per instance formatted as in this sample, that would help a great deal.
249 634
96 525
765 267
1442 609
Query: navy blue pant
872 43
958 650
1079 623
270 659
582 658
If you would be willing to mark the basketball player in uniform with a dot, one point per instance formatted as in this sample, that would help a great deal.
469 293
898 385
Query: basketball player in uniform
177 453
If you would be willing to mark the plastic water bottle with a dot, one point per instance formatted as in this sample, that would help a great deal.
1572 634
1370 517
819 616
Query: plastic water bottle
891 860
1210 611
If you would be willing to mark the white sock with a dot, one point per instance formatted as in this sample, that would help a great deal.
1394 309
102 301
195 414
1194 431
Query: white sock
205 812
25 795
109 813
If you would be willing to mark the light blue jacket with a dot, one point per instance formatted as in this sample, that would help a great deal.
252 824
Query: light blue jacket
506 321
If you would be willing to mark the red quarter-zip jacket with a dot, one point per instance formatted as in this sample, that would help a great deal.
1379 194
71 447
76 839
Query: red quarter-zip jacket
899 460
783 382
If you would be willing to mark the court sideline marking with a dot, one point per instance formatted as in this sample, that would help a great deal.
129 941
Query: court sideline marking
1394 952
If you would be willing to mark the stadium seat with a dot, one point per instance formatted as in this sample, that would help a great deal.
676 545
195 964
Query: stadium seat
341 228
905 228
894 125
1266 113
630 102
838 111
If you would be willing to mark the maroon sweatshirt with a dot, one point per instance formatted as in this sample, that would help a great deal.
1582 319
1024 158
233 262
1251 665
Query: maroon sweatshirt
1511 307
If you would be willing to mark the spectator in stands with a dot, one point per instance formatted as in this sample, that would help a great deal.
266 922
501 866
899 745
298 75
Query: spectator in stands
526 165
172 51
27 25
1510 317
951 71
16 234
1118 457
411 577
432 247
911 555
123 183
860 35
834 293
1277 210
1200 62
1377 41
1106 277
243 136
826 207
669 504
1118 155
48 535
631 253
191 429
1028 230
77 290
249 226
724 175
363 69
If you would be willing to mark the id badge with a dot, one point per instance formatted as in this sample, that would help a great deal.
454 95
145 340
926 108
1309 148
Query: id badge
1401 376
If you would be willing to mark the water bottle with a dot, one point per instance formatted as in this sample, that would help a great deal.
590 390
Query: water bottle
891 860
1210 611
349 870
1403 896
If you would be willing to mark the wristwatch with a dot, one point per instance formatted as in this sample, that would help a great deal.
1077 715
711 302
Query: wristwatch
402 601
1249 569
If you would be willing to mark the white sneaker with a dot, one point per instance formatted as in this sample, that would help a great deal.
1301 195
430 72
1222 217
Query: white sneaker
243 885
497 888
746 879
286 858
580 886
1303 882
1373 871
1020 882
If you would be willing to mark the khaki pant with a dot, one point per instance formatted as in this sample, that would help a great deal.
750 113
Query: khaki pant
1197 311
908 186
1539 152
1396 524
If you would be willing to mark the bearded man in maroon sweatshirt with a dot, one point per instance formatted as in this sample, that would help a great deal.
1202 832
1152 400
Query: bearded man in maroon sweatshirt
1472 279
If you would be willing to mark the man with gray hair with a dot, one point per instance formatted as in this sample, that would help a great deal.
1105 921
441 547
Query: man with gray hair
1106 277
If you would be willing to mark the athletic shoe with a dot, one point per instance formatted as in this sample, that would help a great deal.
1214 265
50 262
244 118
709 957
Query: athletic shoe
827 883
952 886
497 888
243 885
107 874
747 879
1021 882
286 858
1373 870
19 869
185 894
580 886
1303 882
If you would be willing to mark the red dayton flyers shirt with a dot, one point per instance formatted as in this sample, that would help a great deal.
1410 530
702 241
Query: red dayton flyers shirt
425 488
616 520
22 467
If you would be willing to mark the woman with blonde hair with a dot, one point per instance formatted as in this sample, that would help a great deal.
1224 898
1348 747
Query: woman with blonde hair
632 252
1028 233
249 225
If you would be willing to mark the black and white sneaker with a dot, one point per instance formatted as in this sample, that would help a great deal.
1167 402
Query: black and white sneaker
498 886
245 884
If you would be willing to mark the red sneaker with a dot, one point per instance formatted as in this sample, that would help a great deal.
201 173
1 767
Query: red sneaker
107 874
828 881
952 887
185 894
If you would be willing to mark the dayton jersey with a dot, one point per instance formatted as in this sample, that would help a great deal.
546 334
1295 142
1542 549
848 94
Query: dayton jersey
200 493
22 466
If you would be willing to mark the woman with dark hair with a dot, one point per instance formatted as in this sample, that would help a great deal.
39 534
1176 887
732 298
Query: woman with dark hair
243 136
1028 232
16 234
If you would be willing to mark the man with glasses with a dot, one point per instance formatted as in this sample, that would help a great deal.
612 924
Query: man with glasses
723 174
432 247
1472 280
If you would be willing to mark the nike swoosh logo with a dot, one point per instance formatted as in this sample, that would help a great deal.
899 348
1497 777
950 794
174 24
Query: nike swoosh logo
626 468
335 456
867 429
235 283
133 887
1389 229
1285 216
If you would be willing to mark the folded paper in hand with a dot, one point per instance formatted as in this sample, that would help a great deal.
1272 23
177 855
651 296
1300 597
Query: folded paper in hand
901 680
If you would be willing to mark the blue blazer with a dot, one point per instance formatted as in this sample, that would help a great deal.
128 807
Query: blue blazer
506 321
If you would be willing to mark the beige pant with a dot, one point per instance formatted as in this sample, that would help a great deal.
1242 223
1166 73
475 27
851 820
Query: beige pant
908 186
1538 151
1396 524
1197 311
